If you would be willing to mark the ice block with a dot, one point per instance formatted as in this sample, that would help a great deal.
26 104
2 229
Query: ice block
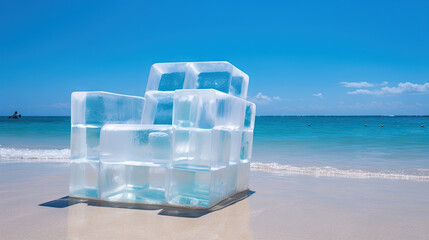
99 108
89 112
239 83
247 137
199 167
166 76
197 188
188 143
135 160
158 108
243 166
207 109
209 75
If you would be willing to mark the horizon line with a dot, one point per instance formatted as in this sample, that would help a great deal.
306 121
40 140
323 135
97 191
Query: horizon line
310 115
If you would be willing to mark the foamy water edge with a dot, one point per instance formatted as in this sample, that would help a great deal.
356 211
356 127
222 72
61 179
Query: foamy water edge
63 155
34 155
331 172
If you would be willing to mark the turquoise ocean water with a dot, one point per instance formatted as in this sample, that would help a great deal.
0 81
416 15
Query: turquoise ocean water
355 146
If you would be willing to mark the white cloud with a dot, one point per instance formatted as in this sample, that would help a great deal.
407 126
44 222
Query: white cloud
406 87
264 99
361 91
362 84
357 84
319 95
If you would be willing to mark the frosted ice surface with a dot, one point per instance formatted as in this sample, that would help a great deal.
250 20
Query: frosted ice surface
246 146
239 83
166 76
199 169
158 108
236 136
247 137
209 75
249 118
84 178
201 148
197 188
133 183
207 109
98 108
134 162
140 143
90 110
243 173
238 178
84 164
220 75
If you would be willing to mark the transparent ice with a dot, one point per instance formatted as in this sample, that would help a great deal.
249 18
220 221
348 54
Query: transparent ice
187 143
221 76
166 76
90 111
158 108
134 162
207 109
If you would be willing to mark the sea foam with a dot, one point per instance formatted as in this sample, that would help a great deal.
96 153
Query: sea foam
34 155
63 155
327 171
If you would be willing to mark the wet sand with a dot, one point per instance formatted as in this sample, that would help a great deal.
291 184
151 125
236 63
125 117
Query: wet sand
34 205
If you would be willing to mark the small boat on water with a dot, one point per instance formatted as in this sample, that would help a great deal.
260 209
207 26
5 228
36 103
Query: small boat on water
15 116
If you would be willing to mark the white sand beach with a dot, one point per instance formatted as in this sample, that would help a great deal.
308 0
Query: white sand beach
34 205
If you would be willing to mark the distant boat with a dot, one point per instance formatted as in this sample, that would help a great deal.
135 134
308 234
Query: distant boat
15 116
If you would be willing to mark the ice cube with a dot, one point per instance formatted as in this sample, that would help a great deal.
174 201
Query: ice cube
89 111
209 75
199 170
207 109
243 173
134 162
166 76
238 177
195 148
221 75
236 136
133 183
232 179
197 188
84 157
246 146
142 143
158 108
98 108
85 140
247 137
249 119
84 178
239 83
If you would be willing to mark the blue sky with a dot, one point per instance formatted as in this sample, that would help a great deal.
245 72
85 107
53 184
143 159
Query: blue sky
303 57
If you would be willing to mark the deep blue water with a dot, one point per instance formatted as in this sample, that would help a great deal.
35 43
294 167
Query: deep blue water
402 145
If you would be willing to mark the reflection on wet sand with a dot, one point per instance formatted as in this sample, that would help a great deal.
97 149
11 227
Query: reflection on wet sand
98 220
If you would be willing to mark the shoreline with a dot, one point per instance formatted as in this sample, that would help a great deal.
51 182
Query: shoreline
48 156
34 204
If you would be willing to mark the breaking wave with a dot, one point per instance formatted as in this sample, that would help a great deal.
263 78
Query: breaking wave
34 155
331 172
